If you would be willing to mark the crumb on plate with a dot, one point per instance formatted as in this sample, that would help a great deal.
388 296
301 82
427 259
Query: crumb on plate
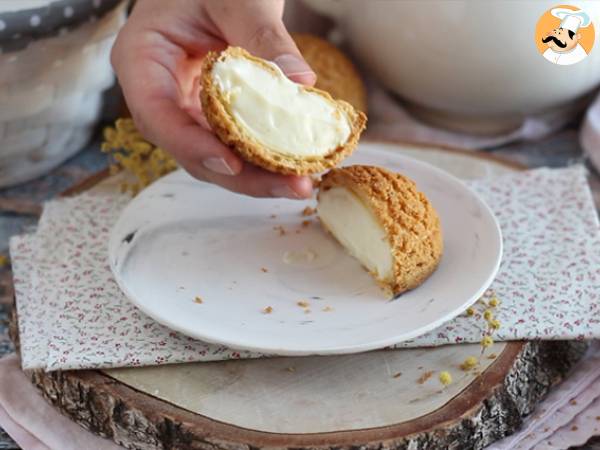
308 211
424 377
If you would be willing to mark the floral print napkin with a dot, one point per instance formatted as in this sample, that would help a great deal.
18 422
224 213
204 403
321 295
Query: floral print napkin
72 314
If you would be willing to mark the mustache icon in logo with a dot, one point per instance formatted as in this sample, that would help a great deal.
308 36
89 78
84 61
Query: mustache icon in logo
558 42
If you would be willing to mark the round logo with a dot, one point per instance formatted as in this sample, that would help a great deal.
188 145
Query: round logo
565 35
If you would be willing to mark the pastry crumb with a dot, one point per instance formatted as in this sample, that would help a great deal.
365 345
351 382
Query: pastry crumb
303 304
198 299
308 211
264 269
268 310
573 402
397 375
423 378
306 223
280 230
290 369
327 309
574 428
492 356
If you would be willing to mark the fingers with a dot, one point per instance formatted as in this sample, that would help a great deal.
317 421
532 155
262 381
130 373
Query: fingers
151 93
256 25
158 81
258 182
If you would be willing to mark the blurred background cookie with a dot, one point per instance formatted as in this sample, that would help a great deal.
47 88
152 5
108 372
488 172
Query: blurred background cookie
335 72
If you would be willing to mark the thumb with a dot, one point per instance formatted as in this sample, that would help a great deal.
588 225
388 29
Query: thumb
257 26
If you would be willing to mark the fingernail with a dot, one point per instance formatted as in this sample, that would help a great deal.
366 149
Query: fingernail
293 65
284 191
218 165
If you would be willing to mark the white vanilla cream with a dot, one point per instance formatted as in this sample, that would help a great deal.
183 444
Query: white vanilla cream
358 230
277 112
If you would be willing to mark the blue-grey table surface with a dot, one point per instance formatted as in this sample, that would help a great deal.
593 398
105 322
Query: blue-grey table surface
556 151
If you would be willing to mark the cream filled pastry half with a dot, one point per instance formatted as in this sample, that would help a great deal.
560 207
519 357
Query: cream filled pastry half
383 221
271 121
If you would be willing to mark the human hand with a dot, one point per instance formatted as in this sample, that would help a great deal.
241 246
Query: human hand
157 58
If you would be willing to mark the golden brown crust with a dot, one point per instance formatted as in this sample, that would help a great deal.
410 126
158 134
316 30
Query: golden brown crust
407 216
335 72
215 108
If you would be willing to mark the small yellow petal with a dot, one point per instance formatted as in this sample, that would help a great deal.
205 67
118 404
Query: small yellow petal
495 324
470 312
109 134
488 315
445 378
494 302
3 260
486 341
469 363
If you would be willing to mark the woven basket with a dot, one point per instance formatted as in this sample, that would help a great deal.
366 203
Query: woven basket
54 67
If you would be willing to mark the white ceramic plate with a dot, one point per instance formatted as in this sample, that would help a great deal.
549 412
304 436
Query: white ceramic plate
181 238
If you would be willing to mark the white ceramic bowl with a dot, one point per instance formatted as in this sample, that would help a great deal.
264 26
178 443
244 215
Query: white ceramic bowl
466 59
54 66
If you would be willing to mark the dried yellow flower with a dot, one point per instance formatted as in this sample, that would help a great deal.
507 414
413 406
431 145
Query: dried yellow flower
469 363
495 324
488 315
470 312
494 302
131 153
445 378
487 341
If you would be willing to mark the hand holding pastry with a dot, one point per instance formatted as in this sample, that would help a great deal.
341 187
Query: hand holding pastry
157 58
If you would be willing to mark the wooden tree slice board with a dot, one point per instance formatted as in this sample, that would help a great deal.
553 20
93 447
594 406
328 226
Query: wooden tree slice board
372 400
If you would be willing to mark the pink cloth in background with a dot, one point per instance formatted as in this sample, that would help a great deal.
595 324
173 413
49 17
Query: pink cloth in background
32 422
388 119
589 136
